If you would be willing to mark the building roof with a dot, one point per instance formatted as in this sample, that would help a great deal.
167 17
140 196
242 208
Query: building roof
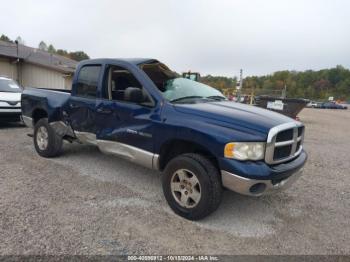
38 57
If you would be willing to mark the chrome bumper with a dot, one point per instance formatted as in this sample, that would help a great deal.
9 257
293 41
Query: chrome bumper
254 187
10 111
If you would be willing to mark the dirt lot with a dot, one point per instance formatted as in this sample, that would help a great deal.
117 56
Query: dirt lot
85 202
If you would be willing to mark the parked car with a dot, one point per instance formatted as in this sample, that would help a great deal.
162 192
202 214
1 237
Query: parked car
142 111
318 105
10 100
314 104
333 105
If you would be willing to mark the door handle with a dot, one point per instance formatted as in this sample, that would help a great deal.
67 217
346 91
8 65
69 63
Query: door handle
104 111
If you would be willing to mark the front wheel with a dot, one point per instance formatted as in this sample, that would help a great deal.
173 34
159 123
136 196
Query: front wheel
47 143
192 186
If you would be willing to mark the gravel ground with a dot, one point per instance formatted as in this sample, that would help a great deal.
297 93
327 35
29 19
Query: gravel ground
85 202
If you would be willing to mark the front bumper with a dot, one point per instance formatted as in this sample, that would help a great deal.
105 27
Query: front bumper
10 115
270 178
10 111
254 187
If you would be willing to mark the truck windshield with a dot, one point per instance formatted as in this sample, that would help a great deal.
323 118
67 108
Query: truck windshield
182 89
178 89
7 85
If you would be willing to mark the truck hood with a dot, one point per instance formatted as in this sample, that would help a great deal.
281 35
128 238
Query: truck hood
9 96
236 114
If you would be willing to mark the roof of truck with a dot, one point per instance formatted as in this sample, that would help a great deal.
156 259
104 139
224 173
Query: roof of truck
135 61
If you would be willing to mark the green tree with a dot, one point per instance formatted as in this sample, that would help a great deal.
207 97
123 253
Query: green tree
62 52
78 56
5 38
219 82
310 84
43 46
51 49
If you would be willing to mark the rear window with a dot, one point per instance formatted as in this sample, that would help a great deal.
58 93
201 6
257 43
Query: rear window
88 81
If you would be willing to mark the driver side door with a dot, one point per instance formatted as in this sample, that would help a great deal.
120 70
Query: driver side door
125 127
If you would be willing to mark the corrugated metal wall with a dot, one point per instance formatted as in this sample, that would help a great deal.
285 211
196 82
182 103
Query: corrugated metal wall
68 82
35 76
7 68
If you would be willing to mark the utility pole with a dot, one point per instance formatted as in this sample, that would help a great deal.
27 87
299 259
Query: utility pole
239 88
240 79
17 63
284 91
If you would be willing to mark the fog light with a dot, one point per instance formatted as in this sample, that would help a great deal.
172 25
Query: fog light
257 188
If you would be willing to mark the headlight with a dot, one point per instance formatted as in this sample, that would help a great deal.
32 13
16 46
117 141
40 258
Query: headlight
245 150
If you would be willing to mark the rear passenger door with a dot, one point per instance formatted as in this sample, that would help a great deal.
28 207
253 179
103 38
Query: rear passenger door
81 106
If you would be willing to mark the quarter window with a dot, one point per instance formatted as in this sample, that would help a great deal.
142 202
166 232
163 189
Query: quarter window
88 81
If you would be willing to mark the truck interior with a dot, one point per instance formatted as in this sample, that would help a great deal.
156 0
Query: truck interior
159 73
119 82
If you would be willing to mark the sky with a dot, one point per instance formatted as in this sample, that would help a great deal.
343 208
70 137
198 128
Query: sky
215 37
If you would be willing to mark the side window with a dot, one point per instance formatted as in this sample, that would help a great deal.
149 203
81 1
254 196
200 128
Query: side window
88 81
120 84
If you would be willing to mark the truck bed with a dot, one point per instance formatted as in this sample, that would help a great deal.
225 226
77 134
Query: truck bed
47 100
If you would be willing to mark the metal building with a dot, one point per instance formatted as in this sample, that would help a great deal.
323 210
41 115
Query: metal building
32 67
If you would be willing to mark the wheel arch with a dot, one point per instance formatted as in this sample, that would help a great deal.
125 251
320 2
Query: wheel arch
175 147
38 114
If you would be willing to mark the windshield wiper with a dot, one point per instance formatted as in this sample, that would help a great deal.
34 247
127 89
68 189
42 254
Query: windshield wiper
220 98
185 97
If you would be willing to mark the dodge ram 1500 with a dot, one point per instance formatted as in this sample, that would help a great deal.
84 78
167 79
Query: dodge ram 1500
140 110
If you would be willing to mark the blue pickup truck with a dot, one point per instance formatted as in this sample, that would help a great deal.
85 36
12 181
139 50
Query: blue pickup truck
142 111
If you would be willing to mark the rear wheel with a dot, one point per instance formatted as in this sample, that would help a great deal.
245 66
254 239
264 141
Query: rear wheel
47 143
192 186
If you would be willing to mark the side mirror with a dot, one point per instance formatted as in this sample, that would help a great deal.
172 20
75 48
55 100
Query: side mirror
134 94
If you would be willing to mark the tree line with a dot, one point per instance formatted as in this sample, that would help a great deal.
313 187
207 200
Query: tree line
77 55
317 85
220 82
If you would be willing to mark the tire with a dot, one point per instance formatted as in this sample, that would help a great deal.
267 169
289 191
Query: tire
49 144
192 167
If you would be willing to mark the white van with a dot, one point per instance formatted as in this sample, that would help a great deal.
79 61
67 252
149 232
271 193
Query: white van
10 100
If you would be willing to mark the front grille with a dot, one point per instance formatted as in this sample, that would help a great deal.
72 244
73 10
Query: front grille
282 152
284 135
284 142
